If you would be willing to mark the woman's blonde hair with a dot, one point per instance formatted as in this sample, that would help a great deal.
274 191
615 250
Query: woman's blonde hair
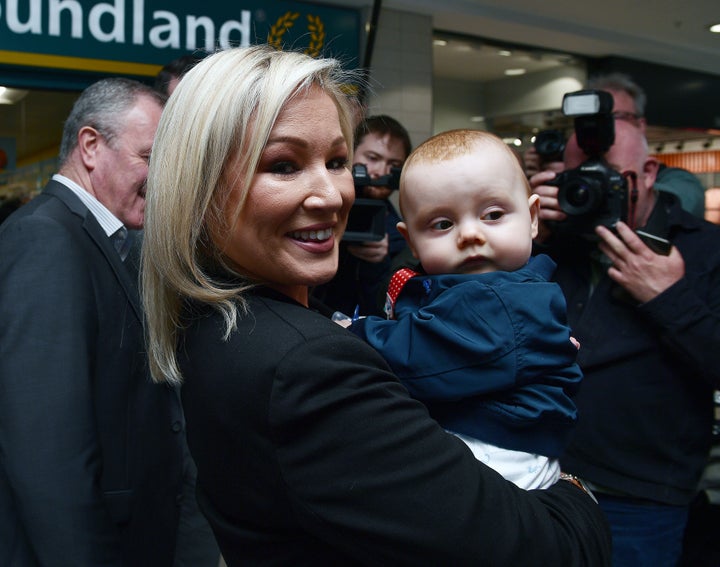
222 111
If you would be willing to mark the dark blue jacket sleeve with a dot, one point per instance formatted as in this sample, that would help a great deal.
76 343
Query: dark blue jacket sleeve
475 339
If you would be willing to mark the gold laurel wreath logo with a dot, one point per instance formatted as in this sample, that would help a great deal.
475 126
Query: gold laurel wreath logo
316 27
317 35
283 24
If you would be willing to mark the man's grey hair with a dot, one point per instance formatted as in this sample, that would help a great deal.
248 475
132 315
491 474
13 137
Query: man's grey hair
103 106
623 83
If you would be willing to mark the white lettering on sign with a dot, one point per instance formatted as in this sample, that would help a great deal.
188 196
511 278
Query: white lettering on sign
32 25
106 23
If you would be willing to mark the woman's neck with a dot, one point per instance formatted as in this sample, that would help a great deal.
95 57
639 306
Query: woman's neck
298 293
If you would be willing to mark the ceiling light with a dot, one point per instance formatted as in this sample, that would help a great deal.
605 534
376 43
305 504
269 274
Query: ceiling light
477 119
440 42
514 72
715 28
11 96
504 53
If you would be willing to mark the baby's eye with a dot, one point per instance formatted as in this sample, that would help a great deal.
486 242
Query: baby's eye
494 215
442 225
283 168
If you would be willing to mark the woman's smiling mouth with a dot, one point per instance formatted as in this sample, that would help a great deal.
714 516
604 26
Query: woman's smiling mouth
311 235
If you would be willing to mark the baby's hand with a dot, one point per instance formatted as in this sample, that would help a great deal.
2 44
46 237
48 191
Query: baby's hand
574 341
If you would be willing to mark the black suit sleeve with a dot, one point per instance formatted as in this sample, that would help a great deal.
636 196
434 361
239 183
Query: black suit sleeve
370 473
48 438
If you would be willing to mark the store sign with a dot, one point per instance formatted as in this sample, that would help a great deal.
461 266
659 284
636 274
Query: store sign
137 37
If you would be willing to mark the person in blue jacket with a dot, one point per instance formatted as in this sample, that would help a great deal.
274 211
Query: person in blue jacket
480 333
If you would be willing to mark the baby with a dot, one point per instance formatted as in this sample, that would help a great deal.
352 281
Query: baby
479 333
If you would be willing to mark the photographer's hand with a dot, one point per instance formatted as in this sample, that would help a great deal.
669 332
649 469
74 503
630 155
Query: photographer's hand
549 205
531 161
642 272
373 252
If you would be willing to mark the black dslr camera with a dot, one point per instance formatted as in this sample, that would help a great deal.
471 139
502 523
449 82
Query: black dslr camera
593 193
366 221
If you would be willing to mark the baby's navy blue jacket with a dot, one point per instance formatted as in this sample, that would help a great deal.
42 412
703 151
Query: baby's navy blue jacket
489 354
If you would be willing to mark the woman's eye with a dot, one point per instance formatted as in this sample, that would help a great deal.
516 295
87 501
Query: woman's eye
339 163
442 225
283 168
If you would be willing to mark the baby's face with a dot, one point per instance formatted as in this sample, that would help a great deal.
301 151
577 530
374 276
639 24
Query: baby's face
469 215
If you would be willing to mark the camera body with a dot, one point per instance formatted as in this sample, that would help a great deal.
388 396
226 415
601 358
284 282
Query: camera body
593 193
590 195
366 221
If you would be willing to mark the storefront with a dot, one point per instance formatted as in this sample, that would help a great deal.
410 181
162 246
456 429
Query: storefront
52 49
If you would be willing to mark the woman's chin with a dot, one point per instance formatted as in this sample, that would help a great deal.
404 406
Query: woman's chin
323 276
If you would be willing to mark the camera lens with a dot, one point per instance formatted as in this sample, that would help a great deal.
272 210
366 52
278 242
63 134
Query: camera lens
578 196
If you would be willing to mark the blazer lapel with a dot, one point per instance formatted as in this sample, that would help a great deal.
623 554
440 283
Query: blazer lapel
126 277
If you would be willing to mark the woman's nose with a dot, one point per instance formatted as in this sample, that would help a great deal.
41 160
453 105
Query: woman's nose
330 190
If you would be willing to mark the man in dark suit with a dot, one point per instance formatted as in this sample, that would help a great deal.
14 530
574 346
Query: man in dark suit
90 448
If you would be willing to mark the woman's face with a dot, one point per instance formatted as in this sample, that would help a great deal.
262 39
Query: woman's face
288 232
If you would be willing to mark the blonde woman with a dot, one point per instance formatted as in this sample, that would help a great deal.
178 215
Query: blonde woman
309 451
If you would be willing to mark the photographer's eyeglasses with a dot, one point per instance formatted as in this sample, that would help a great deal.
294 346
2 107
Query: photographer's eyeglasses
631 117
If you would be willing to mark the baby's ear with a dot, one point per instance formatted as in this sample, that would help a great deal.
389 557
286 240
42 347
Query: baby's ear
402 229
534 206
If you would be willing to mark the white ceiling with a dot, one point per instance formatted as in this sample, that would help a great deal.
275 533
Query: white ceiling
462 57
554 33
666 32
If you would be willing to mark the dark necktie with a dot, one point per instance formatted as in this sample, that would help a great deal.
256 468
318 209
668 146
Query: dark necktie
122 241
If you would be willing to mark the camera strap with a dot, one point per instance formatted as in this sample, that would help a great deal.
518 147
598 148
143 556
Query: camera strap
631 178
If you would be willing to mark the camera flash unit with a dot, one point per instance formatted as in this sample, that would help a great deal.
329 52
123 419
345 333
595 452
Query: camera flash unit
581 103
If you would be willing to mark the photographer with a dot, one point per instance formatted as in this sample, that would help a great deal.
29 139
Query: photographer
381 144
649 326
629 105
